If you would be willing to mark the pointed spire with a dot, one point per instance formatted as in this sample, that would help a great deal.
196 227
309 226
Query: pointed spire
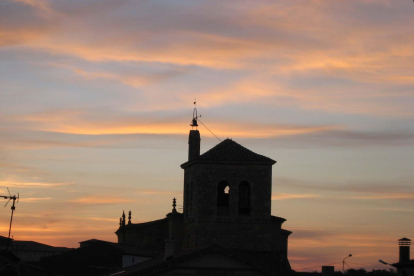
129 217
174 205
123 218
120 222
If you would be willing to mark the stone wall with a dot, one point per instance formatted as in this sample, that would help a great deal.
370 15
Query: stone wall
149 236
205 224
276 235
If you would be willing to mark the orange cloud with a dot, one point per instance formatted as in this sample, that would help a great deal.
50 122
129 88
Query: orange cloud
90 200
75 123
269 40
293 196
12 183
105 219
403 196
214 56
137 81
262 89
332 238
42 6
32 229
158 192
35 199
8 38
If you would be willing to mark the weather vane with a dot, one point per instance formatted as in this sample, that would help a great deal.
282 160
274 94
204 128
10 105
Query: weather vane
195 116
195 120
10 197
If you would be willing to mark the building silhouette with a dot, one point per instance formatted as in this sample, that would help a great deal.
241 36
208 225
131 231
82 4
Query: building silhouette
95 257
405 266
30 251
226 212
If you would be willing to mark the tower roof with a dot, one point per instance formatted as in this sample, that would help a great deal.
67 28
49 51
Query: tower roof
229 151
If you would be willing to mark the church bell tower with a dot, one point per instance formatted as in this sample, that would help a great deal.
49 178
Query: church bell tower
227 197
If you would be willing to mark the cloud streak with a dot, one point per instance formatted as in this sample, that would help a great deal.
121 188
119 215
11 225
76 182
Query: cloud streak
97 200
12 183
84 122
293 196
389 196
35 199
40 5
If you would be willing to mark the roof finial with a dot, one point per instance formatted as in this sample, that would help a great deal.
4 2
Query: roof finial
174 205
195 116
123 218
120 222
129 217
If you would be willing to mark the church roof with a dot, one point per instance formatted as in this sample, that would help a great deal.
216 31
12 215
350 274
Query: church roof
95 259
142 224
230 152
264 262
36 246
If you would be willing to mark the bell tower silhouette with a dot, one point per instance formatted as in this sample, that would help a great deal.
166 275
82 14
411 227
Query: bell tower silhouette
227 197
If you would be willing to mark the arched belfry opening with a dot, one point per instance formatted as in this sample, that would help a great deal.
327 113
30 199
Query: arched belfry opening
226 189
223 198
223 191
244 198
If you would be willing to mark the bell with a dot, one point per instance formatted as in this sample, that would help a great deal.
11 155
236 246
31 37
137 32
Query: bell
194 123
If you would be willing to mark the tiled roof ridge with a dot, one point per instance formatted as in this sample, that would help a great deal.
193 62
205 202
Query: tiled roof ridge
147 223
35 243
229 150
141 225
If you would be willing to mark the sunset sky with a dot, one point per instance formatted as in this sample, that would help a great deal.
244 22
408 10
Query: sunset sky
96 98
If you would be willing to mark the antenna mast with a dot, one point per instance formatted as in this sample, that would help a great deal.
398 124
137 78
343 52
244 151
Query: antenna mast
14 198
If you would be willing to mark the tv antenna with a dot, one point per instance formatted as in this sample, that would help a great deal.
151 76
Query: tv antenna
14 198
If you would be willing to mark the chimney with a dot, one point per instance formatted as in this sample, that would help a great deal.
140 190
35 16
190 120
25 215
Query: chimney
169 249
193 145
404 244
